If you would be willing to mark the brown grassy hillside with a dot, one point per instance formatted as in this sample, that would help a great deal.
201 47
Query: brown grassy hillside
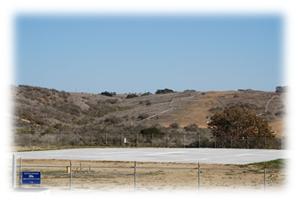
80 117
198 107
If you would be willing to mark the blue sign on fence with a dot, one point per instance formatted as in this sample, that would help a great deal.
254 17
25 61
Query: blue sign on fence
31 178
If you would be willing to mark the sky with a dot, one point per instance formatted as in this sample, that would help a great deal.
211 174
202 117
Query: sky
144 53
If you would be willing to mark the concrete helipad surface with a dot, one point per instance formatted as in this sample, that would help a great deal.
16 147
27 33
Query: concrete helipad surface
179 155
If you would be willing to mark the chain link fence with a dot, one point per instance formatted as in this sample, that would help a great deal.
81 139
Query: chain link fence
103 175
191 140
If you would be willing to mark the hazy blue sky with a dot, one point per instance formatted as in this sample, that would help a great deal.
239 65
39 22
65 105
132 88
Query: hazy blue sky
145 53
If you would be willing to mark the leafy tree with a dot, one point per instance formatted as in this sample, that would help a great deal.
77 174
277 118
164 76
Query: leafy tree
238 122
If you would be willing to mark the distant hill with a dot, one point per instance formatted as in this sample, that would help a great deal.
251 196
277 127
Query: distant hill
40 112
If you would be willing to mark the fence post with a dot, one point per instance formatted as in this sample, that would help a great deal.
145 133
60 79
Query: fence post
106 138
70 175
199 175
134 176
137 138
231 145
264 175
13 171
167 140
199 140
151 139
214 141
183 140
20 173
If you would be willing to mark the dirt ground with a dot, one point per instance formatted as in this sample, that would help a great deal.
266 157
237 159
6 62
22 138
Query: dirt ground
109 175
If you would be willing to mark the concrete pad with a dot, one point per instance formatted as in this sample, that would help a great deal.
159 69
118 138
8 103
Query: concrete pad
179 155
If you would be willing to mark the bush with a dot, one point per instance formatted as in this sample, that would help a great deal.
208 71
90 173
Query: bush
106 93
189 91
146 102
111 101
191 127
112 120
279 113
215 109
151 131
143 116
58 126
25 130
164 91
69 108
280 89
131 96
174 125
146 94
27 140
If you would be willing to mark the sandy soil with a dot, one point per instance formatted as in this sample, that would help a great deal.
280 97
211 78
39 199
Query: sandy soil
105 175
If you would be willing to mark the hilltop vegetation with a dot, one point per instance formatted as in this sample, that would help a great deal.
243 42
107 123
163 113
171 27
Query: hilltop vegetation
46 117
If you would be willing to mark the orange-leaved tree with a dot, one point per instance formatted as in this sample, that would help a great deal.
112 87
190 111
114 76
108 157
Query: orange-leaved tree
239 126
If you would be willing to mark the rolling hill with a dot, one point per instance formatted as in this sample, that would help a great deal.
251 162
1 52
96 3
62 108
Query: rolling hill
48 113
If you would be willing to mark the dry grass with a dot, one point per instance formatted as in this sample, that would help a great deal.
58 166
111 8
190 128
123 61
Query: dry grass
278 127
196 109
108 175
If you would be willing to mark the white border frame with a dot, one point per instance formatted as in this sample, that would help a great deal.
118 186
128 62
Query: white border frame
8 11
